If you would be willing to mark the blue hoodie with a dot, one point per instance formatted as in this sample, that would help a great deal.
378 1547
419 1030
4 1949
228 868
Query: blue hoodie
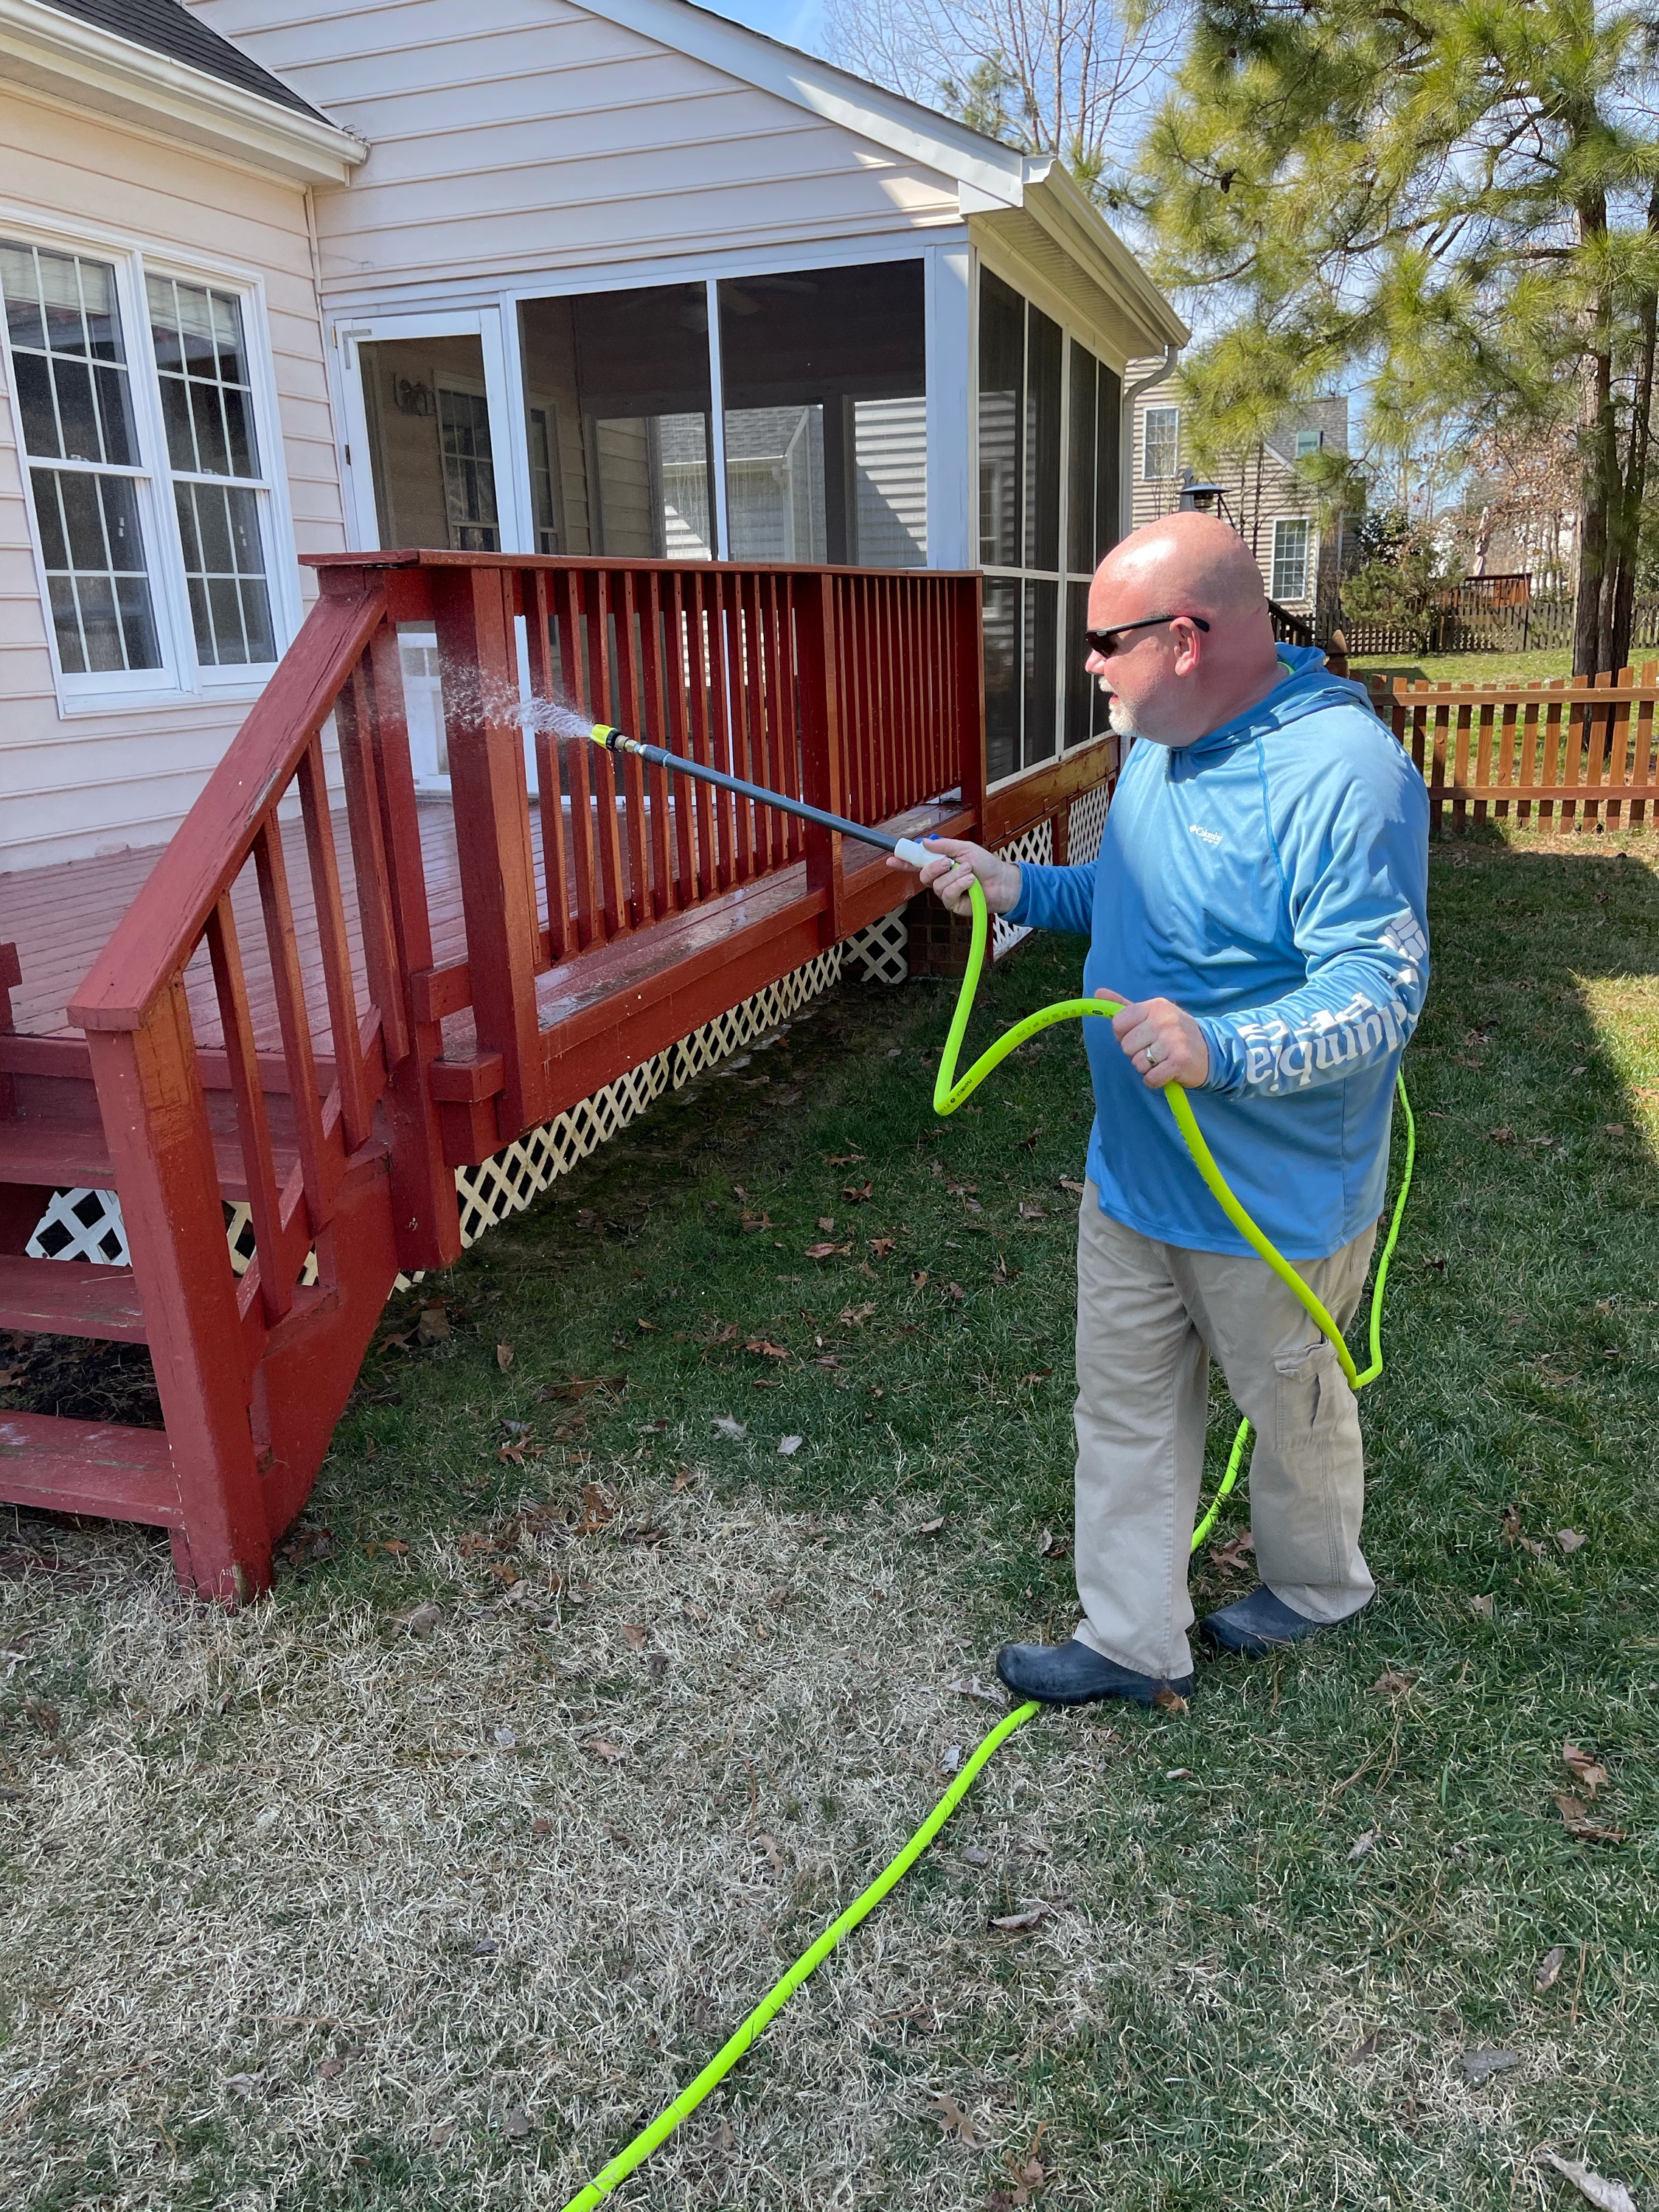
1271 879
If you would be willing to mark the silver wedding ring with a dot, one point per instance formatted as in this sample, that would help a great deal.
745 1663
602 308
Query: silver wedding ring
1152 1056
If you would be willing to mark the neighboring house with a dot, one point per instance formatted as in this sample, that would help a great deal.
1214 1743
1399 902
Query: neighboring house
620 278
1262 495
166 441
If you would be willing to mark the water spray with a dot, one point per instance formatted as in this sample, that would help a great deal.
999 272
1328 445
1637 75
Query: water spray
950 1090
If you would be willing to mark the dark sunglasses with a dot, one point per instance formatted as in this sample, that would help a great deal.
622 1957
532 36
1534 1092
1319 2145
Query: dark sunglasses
1105 641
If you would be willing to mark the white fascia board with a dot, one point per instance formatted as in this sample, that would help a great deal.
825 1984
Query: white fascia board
76 61
887 118
1054 198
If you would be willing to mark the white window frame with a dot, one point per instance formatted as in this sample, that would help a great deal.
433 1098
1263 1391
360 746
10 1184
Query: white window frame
181 678
1034 292
1317 446
1301 522
1165 476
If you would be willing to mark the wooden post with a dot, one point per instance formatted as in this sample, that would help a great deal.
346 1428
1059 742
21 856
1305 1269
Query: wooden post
476 651
966 616
155 1120
824 780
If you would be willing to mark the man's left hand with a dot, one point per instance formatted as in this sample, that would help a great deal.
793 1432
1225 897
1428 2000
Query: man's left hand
1165 1045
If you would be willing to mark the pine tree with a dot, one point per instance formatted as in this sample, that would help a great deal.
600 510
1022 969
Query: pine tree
1457 200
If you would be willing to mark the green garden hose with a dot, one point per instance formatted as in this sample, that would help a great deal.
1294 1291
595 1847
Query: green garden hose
948 1092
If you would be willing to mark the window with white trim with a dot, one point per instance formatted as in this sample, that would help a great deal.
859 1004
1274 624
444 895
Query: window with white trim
1160 443
135 408
1292 545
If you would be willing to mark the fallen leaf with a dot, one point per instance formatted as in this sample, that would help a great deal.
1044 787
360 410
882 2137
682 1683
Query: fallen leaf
789 1446
1614 1128
1549 1970
578 1386
1166 1700
1021 1923
1362 1845
751 1221
826 1222
856 1193
599 1511
855 1316
764 1348
725 1426
1002 1272
1609 2195
1037 1375
610 1752
683 1478
954 1292
1568 1539
1585 1770
433 1326
696 1613
952 2118
1365 2048
1482 1607
516 2123
919 1281
1502 1135
1234 1555
1050 1547
1030 1213
330 2067
503 1357
1480 2065
929 1528
646 1327
421 1620
841 1159
1076 1188
971 1687
828 1251
396 1546
1576 1819
881 1246
772 1855
1391 1685
634 1635
506 1739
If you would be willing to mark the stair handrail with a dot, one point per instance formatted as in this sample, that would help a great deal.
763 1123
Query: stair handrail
162 927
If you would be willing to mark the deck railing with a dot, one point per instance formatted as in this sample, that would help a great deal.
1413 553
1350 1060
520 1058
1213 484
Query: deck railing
1579 752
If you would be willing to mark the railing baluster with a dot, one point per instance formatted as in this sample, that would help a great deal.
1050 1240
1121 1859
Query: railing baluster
630 714
612 897
357 715
550 748
337 983
282 946
253 1122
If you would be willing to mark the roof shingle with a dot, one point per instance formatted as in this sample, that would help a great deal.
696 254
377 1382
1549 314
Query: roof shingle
167 27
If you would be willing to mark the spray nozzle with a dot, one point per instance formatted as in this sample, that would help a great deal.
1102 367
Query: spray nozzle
605 737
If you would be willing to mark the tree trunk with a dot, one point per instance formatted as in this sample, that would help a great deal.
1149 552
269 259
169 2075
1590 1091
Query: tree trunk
1601 476
1633 490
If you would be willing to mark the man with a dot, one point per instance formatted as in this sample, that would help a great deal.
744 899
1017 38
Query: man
1258 905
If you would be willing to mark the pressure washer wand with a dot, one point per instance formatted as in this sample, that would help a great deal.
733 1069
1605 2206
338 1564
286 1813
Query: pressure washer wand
616 741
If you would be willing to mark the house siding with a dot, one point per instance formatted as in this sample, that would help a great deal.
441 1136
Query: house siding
77 784
539 138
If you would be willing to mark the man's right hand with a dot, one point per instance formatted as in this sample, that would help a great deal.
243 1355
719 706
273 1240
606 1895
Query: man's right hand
958 862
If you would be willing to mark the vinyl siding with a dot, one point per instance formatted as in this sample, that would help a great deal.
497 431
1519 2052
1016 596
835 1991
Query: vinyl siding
72 786
541 137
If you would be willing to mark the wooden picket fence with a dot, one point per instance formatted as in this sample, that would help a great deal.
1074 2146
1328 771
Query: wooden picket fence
1579 753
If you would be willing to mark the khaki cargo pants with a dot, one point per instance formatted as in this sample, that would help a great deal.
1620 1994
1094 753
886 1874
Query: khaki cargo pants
1149 1317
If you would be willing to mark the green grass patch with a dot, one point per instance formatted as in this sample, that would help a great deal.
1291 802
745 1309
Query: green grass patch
1467 667
248 1851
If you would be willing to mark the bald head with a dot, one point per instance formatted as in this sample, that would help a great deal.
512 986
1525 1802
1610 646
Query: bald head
1190 561
1191 644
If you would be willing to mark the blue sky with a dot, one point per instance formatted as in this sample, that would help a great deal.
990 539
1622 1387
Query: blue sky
797 22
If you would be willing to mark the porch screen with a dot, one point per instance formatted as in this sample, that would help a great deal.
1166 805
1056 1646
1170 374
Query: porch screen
616 403
1047 491
825 384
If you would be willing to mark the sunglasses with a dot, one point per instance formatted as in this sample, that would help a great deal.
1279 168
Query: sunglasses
1106 643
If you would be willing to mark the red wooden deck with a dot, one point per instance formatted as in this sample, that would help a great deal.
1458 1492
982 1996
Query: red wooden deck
325 1001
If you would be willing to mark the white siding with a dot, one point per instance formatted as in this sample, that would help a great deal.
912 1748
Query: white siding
72 786
521 136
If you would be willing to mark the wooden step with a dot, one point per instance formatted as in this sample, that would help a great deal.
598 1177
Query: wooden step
59 1466
62 1155
70 1297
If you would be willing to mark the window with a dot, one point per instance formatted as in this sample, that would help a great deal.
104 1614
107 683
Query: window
1308 442
432 455
1160 453
617 404
1290 549
207 403
146 482
825 379
1048 414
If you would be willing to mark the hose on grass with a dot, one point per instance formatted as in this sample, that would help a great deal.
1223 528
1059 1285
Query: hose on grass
950 1091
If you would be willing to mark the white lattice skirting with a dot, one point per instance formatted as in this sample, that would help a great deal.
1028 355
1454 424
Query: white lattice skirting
87 1224
1037 845
1085 825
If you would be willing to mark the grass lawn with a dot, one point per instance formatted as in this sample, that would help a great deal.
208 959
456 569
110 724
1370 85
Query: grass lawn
1467 667
587 1695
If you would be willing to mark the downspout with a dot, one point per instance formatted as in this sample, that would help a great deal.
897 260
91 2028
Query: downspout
1126 479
